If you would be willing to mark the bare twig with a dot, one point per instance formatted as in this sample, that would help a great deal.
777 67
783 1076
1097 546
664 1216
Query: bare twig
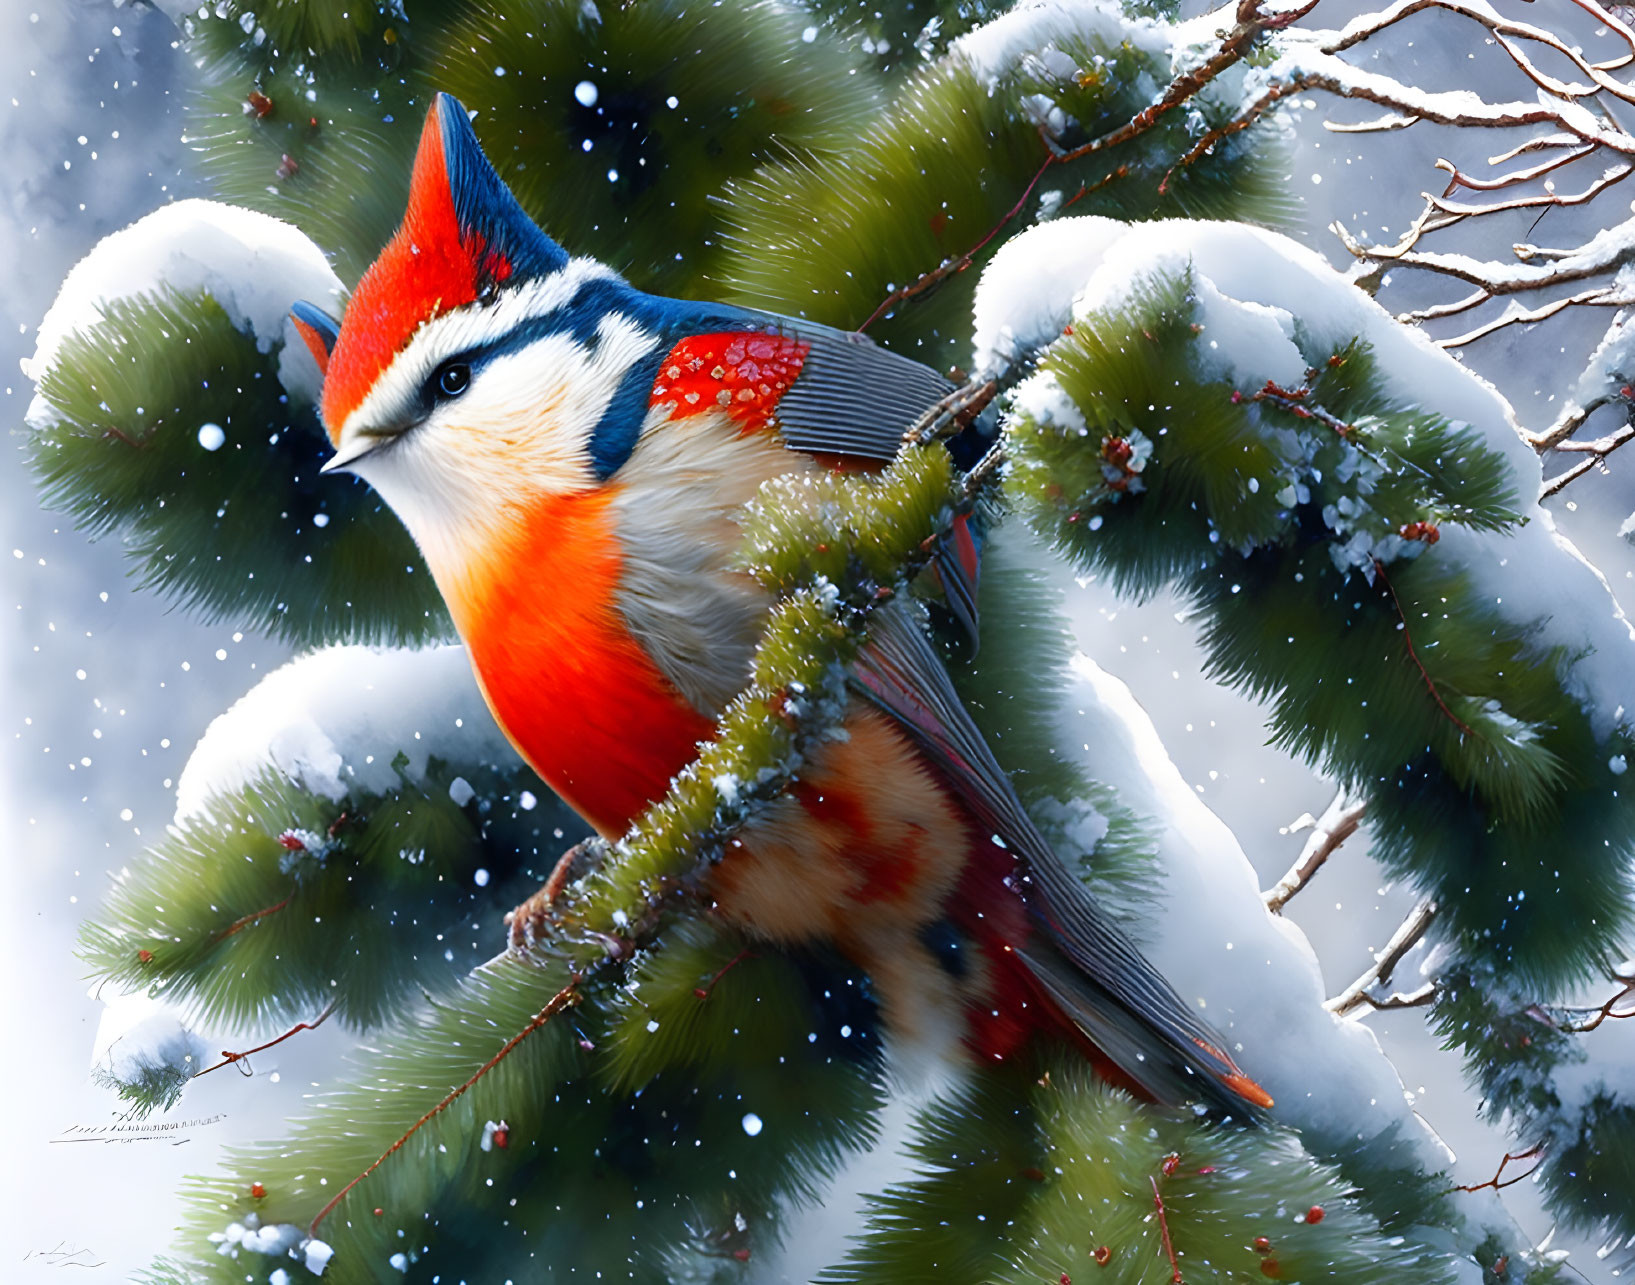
1597 452
1419 997
229 1058
1337 824
1578 1021
1600 297
1163 1230
244 921
1498 1182
1407 936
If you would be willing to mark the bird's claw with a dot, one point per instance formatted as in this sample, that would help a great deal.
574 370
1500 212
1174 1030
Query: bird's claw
529 922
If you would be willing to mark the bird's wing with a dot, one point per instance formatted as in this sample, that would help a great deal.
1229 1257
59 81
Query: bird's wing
830 393
1078 955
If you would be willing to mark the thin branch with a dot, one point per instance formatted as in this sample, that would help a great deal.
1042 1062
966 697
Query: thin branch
1409 933
567 997
959 263
245 921
1416 998
1163 1231
1247 117
1413 655
1567 423
1598 452
1337 824
1251 23
1514 314
228 1058
1234 47
1379 125
1498 1182
1587 1019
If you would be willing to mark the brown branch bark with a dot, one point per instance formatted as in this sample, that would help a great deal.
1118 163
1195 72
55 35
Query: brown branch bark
229 1058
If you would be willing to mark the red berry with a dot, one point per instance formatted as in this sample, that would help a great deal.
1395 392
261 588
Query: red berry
1102 1255
257 1190
1172 1162
742 1255
379 1211
1263 1245
1066 1279
292 841
1270 1267
146 956
259 105
502 1137
1314 1214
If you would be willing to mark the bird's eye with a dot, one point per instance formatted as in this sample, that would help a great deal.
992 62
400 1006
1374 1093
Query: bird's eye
453 379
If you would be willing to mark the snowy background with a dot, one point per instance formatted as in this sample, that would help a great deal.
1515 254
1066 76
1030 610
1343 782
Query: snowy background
104 692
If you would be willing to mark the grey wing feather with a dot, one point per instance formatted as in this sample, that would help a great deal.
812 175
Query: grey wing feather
852 397
1080 957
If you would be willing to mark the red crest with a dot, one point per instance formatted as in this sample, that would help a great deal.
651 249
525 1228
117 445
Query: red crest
462 236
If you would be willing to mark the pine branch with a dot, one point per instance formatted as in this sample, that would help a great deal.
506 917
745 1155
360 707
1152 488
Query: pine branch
565 998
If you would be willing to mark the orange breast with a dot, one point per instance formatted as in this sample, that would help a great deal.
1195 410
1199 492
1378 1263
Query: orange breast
576 694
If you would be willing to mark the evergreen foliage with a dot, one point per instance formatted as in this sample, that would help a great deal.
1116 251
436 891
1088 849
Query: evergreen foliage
677 1034
943 167
1295 521
275 903
1281 515
1067 1174
168 424
339 99
897 36
646 1093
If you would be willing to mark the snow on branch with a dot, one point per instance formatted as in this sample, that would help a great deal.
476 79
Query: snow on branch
253 265
1338 823
1193 424
1572 127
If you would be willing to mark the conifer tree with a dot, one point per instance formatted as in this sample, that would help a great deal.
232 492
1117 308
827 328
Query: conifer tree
638 1090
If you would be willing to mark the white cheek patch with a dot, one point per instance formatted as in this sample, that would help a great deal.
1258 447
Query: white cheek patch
396 392
520 432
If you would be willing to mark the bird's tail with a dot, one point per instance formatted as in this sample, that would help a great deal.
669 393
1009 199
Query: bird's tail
1033 916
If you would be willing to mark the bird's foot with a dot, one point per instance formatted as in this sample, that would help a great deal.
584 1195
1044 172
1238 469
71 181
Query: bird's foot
528 923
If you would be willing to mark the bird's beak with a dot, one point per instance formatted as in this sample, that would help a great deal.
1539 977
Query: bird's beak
348 453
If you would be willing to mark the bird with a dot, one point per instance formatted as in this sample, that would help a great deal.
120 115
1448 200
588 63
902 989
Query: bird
572 455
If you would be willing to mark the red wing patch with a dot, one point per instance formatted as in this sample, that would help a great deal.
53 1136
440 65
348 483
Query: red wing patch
741 373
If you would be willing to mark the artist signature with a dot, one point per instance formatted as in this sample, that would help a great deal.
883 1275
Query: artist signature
64 1255
174 1132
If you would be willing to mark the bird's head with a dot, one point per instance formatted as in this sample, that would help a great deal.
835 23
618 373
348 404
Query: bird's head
478 367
